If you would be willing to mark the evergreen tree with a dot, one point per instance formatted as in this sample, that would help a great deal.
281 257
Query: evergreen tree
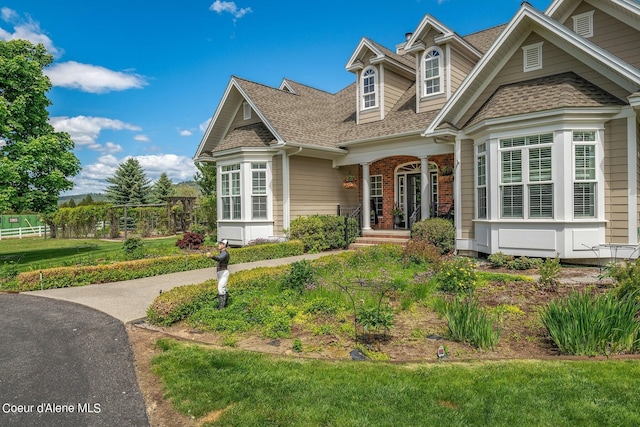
130 184
87 200
162 188
206 178
72 203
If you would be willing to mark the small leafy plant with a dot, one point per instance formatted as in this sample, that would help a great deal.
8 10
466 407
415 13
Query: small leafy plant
549 273
191 241
458 276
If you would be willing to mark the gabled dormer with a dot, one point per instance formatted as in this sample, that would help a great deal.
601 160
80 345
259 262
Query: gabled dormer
611 24
382 76
443 60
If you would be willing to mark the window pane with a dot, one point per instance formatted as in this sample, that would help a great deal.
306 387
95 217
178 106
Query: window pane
235 183
584 136
512 201
541 201
511 166
482 202
226 208
236 208
585 162
482 170
540 164
259 207
224 183
584 199
259 183
376 186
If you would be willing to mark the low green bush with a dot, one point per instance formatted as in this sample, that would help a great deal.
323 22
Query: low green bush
500 260
458 276
627 277
588 325
323 232
439 232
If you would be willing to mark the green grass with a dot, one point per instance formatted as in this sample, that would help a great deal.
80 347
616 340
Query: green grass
257 390
40 253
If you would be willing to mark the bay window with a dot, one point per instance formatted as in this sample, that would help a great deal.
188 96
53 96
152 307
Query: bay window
526 186
230 191
584 186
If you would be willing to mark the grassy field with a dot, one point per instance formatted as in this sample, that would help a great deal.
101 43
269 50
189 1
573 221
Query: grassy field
36 253
254 390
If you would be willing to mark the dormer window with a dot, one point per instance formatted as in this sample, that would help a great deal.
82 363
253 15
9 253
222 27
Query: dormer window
432 64
583 24
369 92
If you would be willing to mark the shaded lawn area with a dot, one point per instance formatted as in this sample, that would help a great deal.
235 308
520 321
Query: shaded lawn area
40 253
255 389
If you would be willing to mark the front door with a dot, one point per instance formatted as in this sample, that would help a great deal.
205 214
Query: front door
412 212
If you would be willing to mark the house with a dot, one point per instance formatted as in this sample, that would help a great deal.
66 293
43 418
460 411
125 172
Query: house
527 133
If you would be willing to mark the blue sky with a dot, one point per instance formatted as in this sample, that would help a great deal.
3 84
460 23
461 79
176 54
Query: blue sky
143 78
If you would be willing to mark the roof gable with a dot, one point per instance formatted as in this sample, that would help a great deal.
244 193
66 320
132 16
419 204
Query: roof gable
378 54
446 35
627 11
526 21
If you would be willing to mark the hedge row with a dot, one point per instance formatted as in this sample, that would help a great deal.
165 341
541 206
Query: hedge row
62 277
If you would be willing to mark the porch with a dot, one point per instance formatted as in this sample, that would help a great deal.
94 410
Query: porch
380 237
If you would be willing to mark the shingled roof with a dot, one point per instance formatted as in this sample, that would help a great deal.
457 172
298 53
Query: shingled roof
563 90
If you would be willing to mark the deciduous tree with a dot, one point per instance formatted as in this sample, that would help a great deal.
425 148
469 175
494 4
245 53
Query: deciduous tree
36 162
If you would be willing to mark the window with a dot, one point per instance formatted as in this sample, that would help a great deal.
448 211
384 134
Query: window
259 190
532 57
369 93
246 110
230 191
584 186
432 63
526 177
583 24
481 186
376 194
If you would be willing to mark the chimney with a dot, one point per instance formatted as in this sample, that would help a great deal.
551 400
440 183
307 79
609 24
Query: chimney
400 47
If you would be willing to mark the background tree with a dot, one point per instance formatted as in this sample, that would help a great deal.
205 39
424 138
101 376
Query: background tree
206 178
130 184
36 162
162 188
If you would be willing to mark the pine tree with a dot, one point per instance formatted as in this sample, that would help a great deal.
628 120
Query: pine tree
162 188
130 184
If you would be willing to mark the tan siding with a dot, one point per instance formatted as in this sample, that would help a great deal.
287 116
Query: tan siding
638 173
276 188
460 68
612 35
616 198
368 116
316 188
239 120
394 87
554 61
467 193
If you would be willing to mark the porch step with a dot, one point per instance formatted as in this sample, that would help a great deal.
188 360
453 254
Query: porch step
381 237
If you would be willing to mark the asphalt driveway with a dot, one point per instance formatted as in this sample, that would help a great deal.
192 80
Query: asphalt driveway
63 364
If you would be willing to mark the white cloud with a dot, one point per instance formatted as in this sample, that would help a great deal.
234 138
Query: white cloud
204 125
92 78
185 132
92 178
26 29
141 138
111 148
229 7
85 131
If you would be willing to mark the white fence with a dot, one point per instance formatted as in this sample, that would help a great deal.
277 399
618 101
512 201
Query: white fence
19 233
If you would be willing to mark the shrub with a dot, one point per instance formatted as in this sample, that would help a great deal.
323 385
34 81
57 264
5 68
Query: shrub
419 251
499 260
8 271
439 232
627 277
191 241
181 302
524 263
549 272
457 276
301 275
469 323
133 248
323 232
374 319
588 325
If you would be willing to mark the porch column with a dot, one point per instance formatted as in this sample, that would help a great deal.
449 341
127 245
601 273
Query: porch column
366 197
632 176
425 194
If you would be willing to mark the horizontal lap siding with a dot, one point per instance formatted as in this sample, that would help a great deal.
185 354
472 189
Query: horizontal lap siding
394 87
276 188
467 193
316 188
616 187
612 35
554 61
460 68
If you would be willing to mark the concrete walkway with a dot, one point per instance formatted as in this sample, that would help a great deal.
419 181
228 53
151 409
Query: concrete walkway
128 301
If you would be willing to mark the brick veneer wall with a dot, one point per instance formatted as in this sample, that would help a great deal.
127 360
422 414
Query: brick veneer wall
386 167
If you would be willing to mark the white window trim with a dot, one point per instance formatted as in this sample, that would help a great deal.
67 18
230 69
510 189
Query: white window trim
481 151
375 88
256 167
233 216
583 24
532 57
246 111
423 70
374 194
595 180
245 172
